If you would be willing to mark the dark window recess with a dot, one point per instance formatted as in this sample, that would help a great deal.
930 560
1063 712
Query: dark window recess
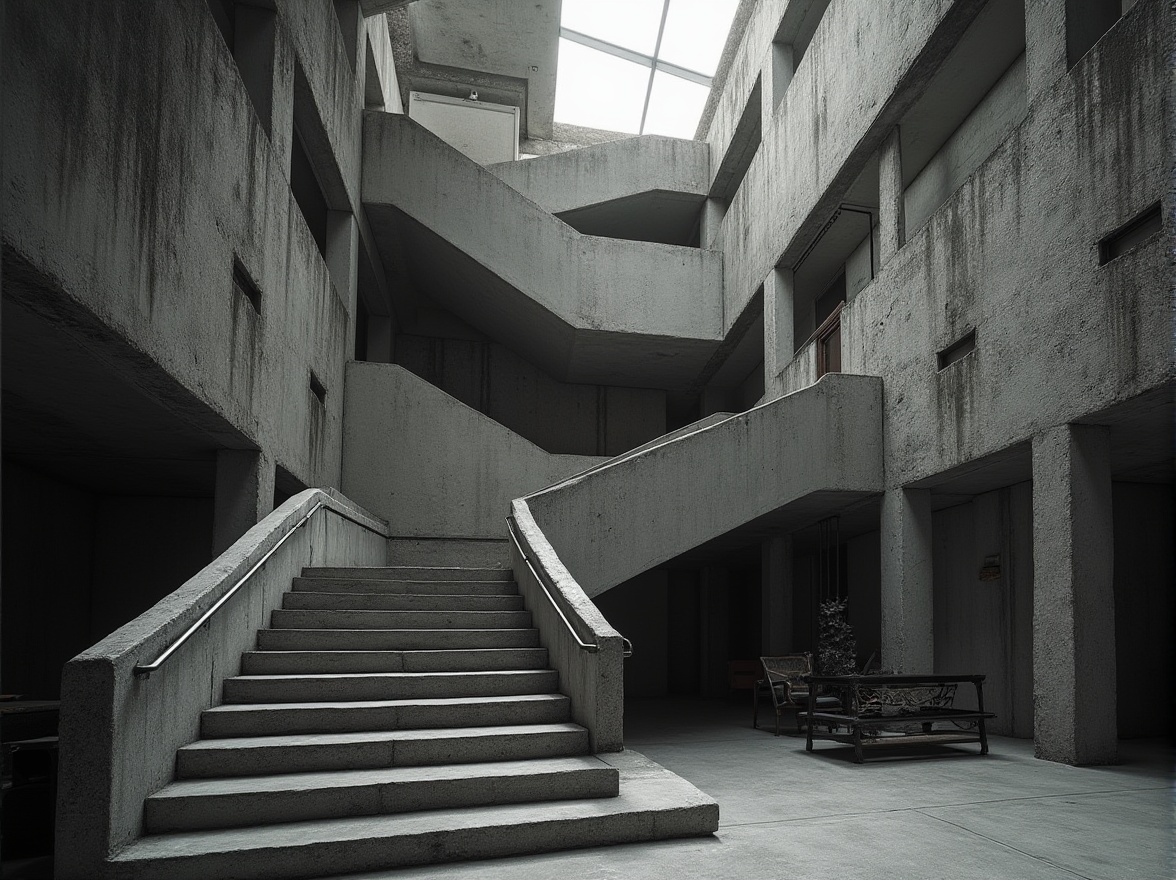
308 193
957 350
244 285
318 388
1131 234
223 13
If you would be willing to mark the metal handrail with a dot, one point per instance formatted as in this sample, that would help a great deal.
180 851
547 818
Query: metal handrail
590 647
145 669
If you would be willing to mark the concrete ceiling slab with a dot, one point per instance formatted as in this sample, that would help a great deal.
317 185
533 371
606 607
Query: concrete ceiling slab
515 38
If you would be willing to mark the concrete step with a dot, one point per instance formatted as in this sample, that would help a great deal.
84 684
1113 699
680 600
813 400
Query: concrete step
472 552
335 601
387 686
309 752
275 719
298 619
306 639
653 804
412 573
298 662
400 588
193 804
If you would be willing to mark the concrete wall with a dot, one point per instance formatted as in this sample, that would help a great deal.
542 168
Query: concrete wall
119 732
987 625
122 201
613 524
559 417
603 172
431 465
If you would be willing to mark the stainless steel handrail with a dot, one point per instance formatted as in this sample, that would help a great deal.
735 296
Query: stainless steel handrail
590 647
145 669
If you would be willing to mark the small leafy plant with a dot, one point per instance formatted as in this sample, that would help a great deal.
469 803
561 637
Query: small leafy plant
837 647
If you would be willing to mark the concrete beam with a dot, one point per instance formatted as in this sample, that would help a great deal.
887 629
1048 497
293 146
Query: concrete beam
1074 677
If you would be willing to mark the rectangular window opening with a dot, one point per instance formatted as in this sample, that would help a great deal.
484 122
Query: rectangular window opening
957 350
1130 235
245 286
318 388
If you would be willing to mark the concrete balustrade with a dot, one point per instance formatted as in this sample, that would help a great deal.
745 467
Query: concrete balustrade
120 732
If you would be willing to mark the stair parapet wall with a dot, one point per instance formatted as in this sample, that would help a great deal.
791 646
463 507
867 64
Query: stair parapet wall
120 732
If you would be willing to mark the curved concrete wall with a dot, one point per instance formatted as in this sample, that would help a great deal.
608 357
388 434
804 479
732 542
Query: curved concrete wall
642 509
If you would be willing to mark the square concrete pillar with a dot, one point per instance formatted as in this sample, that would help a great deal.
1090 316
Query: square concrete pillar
776 593
776 77
1074 690
244 494
908 635
891 207
779 344
713 212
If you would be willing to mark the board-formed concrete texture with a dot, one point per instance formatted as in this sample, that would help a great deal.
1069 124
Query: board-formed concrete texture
896 324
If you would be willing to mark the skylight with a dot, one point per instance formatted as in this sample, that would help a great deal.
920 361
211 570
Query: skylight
639 66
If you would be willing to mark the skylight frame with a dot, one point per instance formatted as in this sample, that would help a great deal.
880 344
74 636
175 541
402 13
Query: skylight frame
653 62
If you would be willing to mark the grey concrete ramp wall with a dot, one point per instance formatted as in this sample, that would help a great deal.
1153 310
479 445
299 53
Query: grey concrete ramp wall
642 509
613 170
584 308
119 732
431 465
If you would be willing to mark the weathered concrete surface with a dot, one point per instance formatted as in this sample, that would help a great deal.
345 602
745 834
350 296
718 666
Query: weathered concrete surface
122 208
119 733
645 508
431 465
907 585
604 172
381 90
583 308
1073 596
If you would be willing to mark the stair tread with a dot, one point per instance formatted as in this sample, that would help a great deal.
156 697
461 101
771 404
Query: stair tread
367 736
394 676
326 705
645 793
313 780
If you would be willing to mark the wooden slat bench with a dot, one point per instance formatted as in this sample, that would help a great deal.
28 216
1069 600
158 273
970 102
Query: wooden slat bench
882 710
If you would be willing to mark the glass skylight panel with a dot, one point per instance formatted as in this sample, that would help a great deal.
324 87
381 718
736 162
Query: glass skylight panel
632 24
695 33
597 90
675 106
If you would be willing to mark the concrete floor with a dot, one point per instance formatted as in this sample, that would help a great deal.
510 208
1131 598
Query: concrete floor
786 813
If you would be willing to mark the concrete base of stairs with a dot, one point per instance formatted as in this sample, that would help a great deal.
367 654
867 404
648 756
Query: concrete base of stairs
654 804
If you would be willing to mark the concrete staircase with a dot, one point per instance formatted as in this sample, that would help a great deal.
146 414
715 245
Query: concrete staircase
397 716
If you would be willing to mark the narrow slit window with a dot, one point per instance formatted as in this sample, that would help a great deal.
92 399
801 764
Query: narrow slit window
1130 235
957 350
318 389
245 286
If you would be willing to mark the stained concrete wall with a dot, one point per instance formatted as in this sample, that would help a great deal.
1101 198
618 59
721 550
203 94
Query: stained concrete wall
983 625
604 172
559 417
122 205
431 465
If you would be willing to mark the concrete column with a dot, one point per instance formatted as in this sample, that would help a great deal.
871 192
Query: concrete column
342 259
907 597
244 494
891 210
1045 45
776 77
1074 695
778 323
713 212
714 618
776 594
